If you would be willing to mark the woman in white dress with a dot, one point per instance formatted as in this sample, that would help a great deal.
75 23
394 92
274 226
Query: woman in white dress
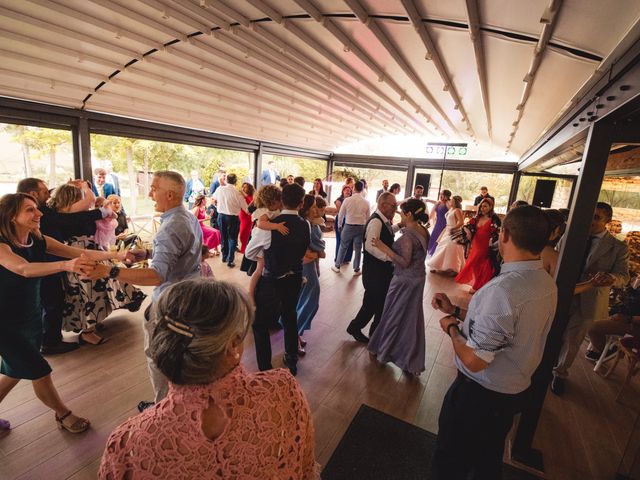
449 255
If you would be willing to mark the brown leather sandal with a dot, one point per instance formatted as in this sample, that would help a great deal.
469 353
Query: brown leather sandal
74 424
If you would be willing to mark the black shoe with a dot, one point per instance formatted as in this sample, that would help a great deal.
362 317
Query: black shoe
558 386
231 265
592 355
291 364
57 348
357 334
142 406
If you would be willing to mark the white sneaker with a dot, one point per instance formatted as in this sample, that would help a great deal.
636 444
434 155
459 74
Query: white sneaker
335 269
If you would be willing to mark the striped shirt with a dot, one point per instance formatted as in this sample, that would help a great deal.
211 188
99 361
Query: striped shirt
507 325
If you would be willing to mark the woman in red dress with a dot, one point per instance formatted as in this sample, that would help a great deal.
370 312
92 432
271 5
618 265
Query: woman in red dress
481 252
245 218
210 236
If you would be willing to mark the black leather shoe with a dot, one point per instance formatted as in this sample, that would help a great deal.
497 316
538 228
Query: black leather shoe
291 364
58 348
357 334
142 406
558 386
231 265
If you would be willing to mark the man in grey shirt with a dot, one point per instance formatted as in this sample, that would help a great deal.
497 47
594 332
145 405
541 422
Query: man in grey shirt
176 255
499 347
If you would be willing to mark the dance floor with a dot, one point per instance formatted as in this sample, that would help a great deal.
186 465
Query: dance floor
582 434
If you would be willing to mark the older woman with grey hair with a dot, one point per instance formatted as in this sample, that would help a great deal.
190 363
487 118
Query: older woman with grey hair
217 420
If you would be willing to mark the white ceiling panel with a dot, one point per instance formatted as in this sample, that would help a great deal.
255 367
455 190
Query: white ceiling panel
315 73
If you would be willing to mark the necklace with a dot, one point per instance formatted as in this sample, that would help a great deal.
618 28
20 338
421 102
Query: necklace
25 245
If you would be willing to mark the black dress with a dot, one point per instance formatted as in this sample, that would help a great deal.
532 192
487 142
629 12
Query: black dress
21 319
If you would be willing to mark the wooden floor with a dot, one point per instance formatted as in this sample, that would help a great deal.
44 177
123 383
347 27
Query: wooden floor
582 435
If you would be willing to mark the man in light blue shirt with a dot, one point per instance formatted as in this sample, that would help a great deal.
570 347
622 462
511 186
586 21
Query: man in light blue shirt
499 347
176 256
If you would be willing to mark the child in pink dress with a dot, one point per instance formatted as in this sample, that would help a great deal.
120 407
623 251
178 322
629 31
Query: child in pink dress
106 227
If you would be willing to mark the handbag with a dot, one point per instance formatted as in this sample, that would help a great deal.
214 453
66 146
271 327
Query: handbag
459 236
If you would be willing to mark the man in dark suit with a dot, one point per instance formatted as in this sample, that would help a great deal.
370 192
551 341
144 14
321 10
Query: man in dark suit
377 269
606 263
484 193
385 188
270 176
100 186
281 278
58 226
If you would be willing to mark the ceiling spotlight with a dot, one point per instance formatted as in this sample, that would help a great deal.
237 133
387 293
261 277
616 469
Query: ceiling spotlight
346 49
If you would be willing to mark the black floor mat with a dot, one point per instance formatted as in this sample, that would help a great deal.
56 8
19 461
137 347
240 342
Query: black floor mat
379 446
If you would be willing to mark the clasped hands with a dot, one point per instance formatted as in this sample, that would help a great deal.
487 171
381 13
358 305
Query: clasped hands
94 269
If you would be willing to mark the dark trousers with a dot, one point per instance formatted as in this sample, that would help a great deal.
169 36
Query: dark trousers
276 297
375 293
473 425
229 229
52 298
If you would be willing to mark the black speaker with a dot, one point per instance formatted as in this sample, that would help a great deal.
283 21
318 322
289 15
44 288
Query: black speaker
423 179
543 194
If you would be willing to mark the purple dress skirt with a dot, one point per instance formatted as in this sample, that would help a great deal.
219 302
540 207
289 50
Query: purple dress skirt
441 222
400 336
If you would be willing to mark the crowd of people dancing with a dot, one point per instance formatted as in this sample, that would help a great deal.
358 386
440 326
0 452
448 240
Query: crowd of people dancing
60 272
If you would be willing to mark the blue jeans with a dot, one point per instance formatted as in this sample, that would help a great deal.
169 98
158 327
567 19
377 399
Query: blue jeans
229 229
309 299
347 257
349 234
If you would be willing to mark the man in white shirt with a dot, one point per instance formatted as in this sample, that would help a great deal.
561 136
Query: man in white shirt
377 267
355 210
229 201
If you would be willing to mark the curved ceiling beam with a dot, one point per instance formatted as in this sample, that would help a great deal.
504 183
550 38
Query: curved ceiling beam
434 55
548 20
473 14
362 122
311 79
295 30
162 7
394 52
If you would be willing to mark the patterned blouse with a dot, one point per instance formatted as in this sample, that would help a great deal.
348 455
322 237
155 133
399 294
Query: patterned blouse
268 433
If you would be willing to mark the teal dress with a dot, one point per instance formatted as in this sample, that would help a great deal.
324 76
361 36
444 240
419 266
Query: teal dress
21 319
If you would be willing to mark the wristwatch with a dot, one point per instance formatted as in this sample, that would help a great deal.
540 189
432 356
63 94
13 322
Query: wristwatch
113 273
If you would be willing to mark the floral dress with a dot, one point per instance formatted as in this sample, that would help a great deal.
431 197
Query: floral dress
88 302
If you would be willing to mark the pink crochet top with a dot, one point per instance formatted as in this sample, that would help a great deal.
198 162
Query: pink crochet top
268 435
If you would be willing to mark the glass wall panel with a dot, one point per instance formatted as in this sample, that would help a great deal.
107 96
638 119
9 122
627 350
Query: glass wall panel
373 176
467 185
623 194
308 168
132 161
561 194
44 153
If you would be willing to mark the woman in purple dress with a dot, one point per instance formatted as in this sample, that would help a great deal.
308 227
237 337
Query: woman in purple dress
400 337
439 211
